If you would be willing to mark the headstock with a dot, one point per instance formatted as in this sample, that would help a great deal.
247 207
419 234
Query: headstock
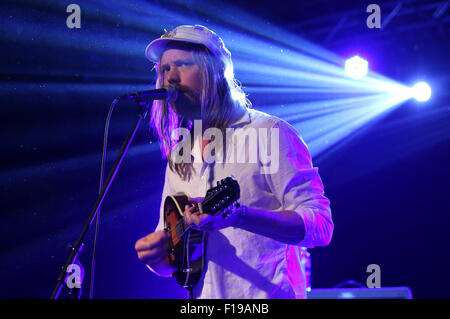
221 197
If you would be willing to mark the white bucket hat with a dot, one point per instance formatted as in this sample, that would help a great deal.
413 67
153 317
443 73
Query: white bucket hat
192 34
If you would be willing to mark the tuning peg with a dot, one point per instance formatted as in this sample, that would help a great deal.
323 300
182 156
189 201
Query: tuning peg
225 213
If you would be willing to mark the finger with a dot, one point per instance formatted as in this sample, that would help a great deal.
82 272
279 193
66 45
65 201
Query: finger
190 207
188 210
187 214
153 254
143 244
148 258
191 218
151 241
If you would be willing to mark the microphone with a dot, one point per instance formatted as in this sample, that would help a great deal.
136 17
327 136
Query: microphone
168 93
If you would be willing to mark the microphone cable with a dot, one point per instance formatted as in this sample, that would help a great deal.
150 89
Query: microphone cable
173 96
102 173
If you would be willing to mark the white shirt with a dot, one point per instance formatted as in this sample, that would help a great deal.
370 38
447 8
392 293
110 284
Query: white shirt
241 264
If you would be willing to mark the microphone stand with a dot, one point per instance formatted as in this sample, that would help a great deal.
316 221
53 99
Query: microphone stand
75 249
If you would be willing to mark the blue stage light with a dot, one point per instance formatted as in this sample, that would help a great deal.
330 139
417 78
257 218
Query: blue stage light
284 73
356 67
421 91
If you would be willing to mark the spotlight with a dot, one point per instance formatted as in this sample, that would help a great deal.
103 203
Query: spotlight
356 67
421 91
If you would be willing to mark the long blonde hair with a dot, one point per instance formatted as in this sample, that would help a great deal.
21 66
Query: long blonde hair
221 94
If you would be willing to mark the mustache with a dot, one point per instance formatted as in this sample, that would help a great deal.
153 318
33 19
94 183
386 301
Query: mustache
187 95
182 88
187 101
187 91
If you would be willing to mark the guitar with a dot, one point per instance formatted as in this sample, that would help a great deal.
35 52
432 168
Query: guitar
187 246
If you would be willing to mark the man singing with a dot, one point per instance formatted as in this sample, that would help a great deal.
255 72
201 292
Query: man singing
255 251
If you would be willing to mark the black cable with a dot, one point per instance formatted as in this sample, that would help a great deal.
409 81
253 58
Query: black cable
102 172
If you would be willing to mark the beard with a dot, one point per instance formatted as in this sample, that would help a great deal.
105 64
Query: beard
187 105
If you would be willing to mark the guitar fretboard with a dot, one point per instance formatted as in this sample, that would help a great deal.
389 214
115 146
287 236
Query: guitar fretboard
181 227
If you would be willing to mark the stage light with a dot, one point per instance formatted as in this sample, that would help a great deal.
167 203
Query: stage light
356 67
317 95
421 91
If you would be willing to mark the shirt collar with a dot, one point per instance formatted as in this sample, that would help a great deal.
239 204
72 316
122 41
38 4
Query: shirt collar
196 149
245 119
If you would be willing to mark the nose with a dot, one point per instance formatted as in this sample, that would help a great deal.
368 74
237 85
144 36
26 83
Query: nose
173 76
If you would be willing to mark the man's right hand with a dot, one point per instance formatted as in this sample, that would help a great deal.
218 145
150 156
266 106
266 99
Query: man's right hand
152 250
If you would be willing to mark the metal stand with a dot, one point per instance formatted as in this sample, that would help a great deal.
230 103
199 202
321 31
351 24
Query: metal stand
76 248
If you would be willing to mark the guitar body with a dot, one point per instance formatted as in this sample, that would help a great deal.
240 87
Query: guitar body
186 252
186 245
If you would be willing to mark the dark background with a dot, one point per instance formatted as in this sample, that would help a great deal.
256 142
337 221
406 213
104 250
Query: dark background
388 182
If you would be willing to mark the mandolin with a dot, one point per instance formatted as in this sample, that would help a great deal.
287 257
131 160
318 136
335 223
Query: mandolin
186 245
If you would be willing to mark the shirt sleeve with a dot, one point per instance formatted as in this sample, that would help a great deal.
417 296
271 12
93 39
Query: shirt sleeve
298 186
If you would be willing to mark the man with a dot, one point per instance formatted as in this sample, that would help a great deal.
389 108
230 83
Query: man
253 253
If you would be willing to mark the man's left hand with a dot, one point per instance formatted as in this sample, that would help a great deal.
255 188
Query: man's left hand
207 222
